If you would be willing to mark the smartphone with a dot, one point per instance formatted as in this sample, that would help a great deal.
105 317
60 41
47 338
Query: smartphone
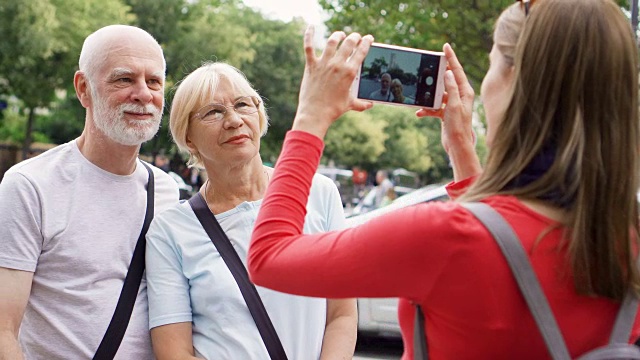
399 75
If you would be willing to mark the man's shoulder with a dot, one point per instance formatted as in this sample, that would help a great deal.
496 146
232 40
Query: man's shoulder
159 173
166 188
44 162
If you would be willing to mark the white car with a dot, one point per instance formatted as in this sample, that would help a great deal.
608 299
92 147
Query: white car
343 179
379 316
367 203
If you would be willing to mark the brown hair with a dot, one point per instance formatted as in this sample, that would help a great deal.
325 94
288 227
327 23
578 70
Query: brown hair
576 86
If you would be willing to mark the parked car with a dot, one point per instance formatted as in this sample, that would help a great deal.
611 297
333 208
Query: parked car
379 316
405 178
343 179
368 202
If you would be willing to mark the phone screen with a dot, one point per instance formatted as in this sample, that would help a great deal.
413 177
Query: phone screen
395 75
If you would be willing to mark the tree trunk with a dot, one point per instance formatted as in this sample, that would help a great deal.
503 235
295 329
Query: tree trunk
26 146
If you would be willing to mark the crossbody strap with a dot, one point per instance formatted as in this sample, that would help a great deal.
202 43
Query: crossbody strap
239 272
121 316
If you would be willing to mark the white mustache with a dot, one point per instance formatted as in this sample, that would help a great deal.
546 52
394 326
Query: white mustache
139 109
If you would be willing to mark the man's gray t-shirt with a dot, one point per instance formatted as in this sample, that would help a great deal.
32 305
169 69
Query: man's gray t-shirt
75 226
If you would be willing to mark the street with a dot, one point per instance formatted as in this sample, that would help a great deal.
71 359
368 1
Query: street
378 348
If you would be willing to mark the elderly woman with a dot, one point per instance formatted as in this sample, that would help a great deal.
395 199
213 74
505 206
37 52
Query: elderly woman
195 306
398 93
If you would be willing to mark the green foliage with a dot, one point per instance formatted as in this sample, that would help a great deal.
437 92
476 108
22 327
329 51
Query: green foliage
40 46
208 33
275 73
467 26
159 17
269 52
41 41
356 139
408 140
28 50
66 119
12 128
388 137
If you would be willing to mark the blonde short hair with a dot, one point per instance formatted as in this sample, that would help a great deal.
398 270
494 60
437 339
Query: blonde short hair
396 82
507 31
195 91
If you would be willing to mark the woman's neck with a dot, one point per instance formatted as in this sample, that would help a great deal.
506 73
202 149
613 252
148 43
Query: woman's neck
226 188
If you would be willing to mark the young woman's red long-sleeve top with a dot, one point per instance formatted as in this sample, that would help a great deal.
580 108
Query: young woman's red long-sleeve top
437 255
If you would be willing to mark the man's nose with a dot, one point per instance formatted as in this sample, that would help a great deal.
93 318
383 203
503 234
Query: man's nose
141 92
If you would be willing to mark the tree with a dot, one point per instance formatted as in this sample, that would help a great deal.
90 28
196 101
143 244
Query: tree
427 25
39 50
466 25
409 139
40 46
276 73
357 139
376 67
191 33
388 137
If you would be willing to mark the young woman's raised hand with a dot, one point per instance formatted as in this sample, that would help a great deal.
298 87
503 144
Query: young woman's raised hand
458 138
325 90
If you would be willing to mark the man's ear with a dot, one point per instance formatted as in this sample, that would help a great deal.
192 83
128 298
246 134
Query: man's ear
83 91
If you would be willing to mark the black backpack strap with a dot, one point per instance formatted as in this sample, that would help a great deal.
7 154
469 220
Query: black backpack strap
121 316
525 276
239 272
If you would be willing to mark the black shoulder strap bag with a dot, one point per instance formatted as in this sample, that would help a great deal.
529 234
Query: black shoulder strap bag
121 316
235 265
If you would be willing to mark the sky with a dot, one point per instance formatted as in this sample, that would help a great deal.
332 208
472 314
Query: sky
285 10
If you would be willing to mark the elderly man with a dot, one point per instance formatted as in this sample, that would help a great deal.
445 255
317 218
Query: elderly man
70 218
384 93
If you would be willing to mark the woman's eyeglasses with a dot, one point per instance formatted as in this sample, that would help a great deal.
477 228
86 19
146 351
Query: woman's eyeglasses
245 105
527 4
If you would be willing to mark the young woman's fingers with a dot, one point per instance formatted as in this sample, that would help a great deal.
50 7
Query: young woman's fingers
332 45
361 105
439 113
458 72
361 50
309 51
348 45
451 87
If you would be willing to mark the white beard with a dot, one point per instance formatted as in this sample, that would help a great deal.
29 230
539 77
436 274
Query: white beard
111 121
